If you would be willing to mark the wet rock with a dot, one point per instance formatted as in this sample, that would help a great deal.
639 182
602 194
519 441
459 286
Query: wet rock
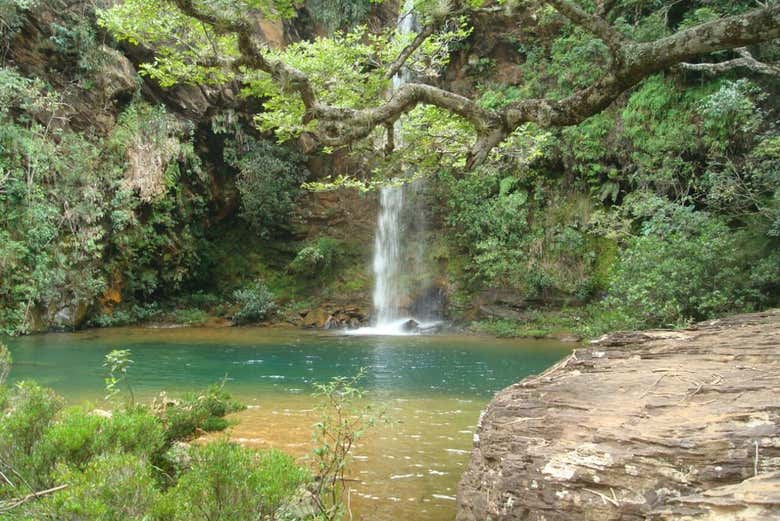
410 326
656 425
316 318
429 303
66 316
303 505
430 329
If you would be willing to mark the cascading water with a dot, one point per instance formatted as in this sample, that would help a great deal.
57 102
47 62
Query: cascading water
390 243
387 256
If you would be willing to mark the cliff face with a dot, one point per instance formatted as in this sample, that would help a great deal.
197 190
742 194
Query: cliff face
648 425
99 90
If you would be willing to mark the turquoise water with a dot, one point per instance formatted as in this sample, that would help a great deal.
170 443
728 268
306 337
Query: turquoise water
257 360
432 387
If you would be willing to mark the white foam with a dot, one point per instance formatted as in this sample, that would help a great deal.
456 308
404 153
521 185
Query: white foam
393 328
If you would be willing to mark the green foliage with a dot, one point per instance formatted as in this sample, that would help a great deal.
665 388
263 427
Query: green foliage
181 41
344 418
190 316
132 430
204 411
93 464
256 302
29 411
229 482
504 328
112 487
117 362
339 14
679 272
78 213
268 180
316 259
5 363
72 440
535 246
126 314
12 13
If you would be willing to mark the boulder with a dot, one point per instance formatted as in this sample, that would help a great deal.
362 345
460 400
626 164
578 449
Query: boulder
317 317
410 326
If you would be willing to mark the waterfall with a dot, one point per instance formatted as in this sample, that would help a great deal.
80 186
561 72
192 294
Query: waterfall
396 256
387 256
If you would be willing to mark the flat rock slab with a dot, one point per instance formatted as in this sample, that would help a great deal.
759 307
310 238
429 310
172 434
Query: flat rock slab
646 425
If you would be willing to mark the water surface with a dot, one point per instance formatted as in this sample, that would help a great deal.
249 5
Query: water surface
433 388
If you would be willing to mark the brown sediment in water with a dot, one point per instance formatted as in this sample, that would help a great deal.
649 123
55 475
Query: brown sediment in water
406 468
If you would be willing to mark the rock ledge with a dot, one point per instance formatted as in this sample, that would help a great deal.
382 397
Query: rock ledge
651 425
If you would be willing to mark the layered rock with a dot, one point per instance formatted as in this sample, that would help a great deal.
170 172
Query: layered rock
654 425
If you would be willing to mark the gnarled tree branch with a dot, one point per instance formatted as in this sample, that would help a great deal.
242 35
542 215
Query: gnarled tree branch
592 23
746 60
632 62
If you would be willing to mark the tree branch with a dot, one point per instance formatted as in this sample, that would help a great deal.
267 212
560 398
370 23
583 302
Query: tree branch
13 503
251 56
746 61
631 64
640 60
399 62
590 22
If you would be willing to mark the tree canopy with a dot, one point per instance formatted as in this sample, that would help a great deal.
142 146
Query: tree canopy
332 91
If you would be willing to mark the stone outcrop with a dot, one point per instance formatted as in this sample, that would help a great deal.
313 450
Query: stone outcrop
333 316
654 425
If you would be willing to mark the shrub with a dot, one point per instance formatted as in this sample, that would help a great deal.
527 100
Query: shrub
112 487
134 430
269 179
669 279
197 411
256 303
317 258
29 411
71 440
232 483
5 363
338 14
190 316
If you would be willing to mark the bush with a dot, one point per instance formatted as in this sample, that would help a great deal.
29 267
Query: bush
256 303
135 430
5 363
72 440
317 258
197 411
515 239
232 483
190 316
112 487
269 179
116 466
669 279
338 14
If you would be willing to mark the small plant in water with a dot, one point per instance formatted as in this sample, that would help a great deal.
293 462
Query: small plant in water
117 363
344 418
